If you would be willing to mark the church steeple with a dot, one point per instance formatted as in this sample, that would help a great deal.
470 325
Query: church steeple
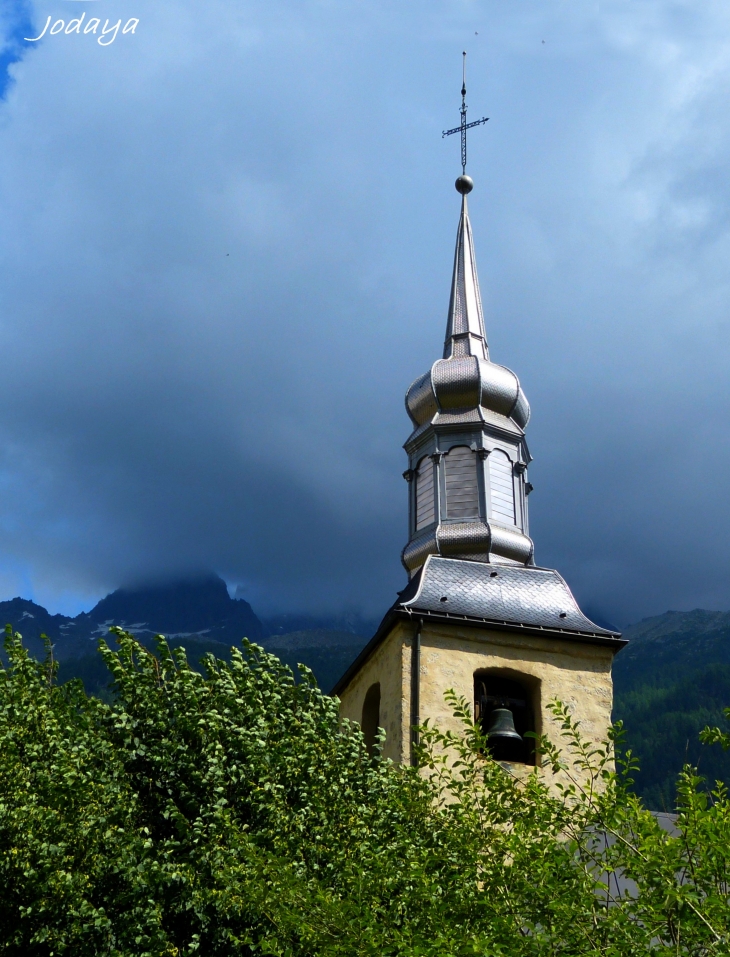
467 454
477 618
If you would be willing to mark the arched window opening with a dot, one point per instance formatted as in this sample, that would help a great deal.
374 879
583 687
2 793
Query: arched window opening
501 487
425 512
505 708
371 716
462 490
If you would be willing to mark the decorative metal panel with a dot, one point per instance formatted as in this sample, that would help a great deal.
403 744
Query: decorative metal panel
502 488
462 492
425 513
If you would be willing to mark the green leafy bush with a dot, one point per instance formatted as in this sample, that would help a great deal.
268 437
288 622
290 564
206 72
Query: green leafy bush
231 812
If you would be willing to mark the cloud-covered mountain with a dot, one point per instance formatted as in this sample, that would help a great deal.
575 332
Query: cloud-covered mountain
198 608
196 613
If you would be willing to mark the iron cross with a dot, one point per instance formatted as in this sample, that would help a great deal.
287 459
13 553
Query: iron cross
464 126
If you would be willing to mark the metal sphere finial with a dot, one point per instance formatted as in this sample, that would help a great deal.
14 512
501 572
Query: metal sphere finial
464 184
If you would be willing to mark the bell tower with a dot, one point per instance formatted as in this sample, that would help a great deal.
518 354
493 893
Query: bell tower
478 615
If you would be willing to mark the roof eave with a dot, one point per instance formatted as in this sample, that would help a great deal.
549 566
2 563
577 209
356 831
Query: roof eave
607 639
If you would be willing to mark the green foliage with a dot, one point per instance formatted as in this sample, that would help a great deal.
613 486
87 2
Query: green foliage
231 812
94 674
717 735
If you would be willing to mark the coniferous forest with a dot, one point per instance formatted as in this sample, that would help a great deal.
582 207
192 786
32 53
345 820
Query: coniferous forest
671 681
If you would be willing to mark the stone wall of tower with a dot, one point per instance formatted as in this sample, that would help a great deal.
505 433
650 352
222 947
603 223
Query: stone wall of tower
390 666
576 672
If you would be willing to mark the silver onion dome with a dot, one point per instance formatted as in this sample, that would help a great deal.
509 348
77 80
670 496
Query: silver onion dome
467 453
467 383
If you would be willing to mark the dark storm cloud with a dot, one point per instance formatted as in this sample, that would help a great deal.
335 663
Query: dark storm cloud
225 247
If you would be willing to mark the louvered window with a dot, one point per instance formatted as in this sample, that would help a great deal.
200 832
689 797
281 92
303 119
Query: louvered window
424 493
462 491
502 488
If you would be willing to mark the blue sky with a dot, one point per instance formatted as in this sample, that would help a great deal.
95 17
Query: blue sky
15 25
225 252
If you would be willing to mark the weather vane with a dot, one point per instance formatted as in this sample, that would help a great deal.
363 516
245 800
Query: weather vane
463 126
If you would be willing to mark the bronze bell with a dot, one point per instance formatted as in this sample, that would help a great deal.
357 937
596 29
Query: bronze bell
502 727
505 744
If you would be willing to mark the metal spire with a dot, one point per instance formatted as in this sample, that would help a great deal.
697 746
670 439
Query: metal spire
463 126
465 335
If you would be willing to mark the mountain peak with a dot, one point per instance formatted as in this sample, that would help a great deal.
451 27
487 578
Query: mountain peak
183 606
